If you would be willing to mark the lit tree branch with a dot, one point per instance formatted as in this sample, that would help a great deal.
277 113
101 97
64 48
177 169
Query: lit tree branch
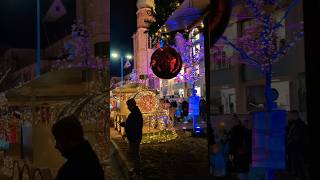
279 24
276 56
243 54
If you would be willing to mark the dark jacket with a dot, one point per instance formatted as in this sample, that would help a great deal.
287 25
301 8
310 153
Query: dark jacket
82 163
185 108
240 148
133 126
296 138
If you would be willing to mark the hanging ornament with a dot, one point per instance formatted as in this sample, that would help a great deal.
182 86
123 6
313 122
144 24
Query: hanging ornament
166 62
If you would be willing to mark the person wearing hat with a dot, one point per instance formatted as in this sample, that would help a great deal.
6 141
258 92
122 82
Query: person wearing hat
133 128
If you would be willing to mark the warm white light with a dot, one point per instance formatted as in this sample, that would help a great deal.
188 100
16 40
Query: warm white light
114 55
202 25
129 56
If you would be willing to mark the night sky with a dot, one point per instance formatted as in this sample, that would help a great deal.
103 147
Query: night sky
18 23
123 25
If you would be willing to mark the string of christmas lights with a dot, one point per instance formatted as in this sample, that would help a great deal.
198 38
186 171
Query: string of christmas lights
77 50
261 51
192 53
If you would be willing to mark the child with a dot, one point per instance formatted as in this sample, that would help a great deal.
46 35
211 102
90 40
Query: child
218 162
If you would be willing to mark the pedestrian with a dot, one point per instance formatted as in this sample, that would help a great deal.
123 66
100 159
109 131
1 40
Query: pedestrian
203 108
211 142
239 155
133 129
82 162
185 110
296 145
220 152
172 110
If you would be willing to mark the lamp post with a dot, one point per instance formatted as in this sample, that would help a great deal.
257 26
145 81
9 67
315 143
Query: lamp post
116 56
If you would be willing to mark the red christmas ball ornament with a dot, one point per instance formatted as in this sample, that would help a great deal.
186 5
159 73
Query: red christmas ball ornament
166 62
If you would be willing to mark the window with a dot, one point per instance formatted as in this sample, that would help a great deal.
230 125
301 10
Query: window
195 39
198 89
220 61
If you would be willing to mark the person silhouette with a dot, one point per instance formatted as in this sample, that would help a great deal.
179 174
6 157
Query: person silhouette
133 128
82 162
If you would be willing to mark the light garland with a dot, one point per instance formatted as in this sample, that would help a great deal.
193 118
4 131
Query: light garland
78 51
260 51
147 101
191 55
159 137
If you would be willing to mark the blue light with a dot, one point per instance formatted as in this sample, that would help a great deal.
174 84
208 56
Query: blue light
162 43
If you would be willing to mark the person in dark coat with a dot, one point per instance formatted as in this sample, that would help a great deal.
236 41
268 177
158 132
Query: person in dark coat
185 110
240 140
82 162
203 109
133 128
211 143
296 145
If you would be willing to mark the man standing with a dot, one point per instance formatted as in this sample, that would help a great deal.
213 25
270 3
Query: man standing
133 128
240 148
203 109
296 145
185 110
82 161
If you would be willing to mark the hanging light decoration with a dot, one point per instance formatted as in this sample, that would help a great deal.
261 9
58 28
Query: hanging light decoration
166 62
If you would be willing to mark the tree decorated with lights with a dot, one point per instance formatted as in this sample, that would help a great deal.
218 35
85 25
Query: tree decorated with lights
258 45
192 53
77 50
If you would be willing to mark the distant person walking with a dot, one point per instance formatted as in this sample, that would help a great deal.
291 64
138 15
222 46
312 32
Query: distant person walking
203 108
185 110
133 128
82 162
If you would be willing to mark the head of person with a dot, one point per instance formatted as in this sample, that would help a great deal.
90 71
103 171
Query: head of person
68 133
293 115
221 127
131 103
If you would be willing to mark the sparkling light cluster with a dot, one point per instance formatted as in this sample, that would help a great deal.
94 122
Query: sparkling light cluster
77 50
191 55
258 47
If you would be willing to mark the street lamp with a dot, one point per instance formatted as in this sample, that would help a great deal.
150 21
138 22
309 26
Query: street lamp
116 56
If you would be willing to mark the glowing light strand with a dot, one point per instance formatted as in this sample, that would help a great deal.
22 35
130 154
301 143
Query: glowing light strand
191 55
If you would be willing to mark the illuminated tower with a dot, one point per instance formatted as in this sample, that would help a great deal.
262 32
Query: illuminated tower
141 41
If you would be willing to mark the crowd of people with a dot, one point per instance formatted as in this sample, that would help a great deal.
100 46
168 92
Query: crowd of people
231 151
179 109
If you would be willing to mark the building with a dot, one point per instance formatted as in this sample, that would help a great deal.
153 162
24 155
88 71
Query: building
187 17
57 33
142 42
53 89
239 88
